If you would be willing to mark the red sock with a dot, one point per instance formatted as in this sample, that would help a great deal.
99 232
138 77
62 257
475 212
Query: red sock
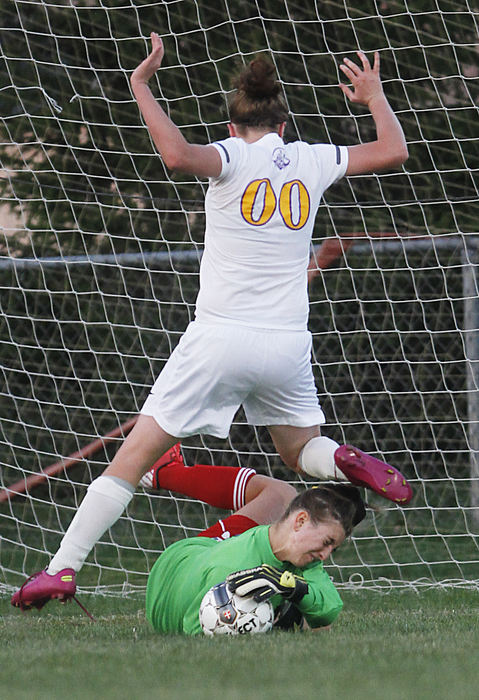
222 487
229 527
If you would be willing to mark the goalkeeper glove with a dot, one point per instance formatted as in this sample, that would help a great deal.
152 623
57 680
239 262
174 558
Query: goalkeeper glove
264 581
288 617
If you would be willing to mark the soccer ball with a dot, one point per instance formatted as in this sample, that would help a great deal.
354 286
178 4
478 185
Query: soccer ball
224 612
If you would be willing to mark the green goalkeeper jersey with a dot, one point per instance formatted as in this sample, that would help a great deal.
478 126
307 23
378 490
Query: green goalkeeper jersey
188 568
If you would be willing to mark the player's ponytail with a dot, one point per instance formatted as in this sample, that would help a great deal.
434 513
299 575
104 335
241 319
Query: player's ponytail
258 100
258 81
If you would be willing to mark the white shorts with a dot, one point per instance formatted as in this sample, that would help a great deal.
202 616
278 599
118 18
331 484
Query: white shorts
215 369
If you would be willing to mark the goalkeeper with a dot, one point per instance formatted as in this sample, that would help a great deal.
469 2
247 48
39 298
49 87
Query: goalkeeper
278 531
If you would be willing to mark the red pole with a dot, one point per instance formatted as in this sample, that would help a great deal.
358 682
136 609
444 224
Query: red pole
24 485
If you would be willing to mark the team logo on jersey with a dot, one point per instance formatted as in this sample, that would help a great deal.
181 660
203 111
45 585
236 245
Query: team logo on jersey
280 159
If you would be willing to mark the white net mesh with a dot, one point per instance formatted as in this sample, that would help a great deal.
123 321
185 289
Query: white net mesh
99 265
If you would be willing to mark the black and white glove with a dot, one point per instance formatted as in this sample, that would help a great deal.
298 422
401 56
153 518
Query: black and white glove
265 581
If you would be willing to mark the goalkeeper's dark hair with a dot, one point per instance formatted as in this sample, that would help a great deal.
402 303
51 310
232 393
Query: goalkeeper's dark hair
257 100
341 502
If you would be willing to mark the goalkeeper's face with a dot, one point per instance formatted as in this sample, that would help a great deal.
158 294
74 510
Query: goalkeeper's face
310 541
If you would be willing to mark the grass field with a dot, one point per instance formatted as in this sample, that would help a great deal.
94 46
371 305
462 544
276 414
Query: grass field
389 646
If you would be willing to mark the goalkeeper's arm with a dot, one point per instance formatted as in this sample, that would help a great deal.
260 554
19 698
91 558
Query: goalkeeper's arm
265 581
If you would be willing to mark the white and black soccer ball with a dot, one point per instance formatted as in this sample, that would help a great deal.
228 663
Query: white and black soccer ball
224 612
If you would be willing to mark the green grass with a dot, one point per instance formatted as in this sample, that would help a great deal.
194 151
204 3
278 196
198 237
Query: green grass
397 645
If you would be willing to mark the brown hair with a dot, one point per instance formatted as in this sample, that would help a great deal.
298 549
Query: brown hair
340 502
257 101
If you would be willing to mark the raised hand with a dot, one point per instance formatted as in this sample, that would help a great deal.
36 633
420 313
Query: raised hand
365 80
152 62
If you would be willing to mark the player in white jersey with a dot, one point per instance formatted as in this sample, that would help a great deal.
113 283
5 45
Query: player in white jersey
259 219
249 344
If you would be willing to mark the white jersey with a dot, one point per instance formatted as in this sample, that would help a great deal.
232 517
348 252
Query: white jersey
260 214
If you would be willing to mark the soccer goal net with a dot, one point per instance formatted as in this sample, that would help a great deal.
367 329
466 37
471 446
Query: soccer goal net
100 250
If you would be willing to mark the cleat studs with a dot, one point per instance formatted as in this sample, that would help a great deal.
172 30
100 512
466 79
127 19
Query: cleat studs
383 489
388 482
390 471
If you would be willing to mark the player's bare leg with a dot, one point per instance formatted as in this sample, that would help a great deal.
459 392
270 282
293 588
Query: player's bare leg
305 450
105 500
146 442
290 440
266 499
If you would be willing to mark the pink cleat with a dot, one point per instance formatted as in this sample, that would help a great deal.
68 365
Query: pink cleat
172 456
41 587
364 470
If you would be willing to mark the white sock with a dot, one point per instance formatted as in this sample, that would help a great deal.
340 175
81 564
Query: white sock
317 459
104 502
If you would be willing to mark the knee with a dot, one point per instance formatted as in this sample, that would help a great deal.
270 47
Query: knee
277 491
282 492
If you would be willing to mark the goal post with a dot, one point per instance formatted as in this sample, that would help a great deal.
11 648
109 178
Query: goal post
99 257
